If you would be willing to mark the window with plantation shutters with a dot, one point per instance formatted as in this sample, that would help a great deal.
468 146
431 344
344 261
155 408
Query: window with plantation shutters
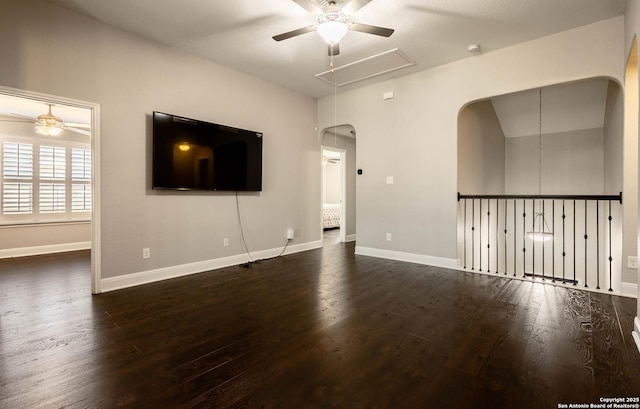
80 179
52 161
44 180
17 175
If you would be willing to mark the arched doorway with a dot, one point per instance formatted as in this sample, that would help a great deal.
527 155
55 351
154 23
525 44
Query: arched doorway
339 181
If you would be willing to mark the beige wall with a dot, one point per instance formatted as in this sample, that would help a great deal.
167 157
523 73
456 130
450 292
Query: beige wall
613 134
613 139
420 208
332 183
481 150
572 164
52 50
45 238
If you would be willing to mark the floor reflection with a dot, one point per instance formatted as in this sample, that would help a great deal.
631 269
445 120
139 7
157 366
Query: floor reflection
334 289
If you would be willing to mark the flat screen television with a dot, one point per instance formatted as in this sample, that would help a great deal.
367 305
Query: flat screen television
195 155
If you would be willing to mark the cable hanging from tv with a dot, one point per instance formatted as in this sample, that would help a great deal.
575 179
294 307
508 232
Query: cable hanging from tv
244 243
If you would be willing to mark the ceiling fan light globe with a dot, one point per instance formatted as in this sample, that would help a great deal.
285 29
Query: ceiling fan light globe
48 130
332 31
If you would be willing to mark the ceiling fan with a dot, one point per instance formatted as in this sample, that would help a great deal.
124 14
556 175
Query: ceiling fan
51 125
334 22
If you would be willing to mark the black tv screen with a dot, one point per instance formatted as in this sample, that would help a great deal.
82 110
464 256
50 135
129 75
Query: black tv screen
195 155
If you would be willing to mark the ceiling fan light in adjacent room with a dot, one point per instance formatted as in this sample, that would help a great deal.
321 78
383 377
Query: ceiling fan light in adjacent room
48 130
332 31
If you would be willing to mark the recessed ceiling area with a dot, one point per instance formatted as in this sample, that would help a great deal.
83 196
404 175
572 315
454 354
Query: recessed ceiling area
238 34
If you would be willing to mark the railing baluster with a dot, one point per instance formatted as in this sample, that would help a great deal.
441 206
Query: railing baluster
533 242
506 207
515 236
524 238
543 277
564 251
497 237
553 245
473 236
610 253
488 235
586 237
574 243
480 236
464 234
597 244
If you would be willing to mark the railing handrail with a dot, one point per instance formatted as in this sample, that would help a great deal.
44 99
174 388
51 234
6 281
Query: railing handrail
558 197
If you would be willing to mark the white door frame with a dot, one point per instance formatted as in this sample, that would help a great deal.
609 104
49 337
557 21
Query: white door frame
96 274
343 189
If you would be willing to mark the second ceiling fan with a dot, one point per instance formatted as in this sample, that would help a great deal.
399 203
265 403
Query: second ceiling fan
333 22
50 124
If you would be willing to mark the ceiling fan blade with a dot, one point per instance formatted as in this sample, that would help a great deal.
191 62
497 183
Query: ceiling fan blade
294 33
309 6
80 131
354 5
77 125
18 120
334 49
365 28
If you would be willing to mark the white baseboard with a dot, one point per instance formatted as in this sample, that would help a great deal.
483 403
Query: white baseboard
636 332
349 238
629 289
165 273
48 249
408 257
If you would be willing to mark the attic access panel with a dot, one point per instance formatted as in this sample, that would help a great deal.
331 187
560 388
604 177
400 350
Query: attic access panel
366 68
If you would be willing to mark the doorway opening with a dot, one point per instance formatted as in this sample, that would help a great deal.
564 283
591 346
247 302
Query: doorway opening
49 152
333 194
338 158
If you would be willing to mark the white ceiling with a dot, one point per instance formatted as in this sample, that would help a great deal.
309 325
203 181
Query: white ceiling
238 33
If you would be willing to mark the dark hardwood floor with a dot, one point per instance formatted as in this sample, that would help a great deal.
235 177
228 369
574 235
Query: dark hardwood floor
319 329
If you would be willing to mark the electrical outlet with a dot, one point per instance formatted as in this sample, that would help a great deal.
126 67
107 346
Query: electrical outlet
225 242
146 253
388 236
632 262
290 234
